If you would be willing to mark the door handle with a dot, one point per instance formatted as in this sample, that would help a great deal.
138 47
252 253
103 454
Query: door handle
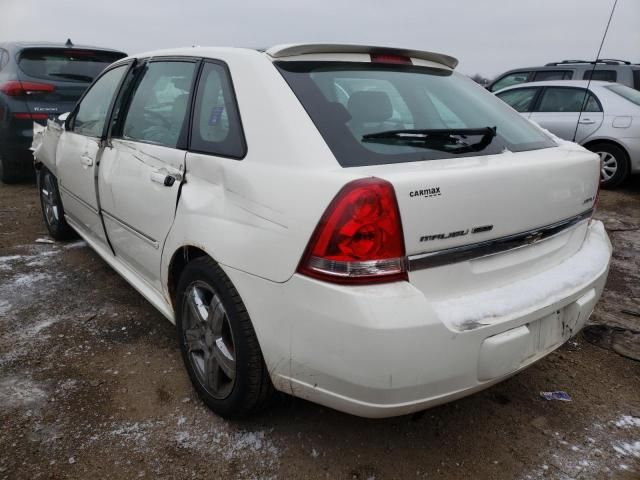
163 178
586 121
86 160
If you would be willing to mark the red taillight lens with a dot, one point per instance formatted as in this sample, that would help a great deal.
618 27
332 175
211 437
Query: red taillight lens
15 88
387 58
30 116
359 238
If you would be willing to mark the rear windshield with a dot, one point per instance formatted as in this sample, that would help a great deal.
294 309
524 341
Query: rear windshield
626 92
66 65
348 101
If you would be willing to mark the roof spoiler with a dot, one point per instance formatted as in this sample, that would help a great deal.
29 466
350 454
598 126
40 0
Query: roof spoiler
283 51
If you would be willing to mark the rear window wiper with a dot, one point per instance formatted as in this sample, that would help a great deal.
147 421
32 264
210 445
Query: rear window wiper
444 139
73 76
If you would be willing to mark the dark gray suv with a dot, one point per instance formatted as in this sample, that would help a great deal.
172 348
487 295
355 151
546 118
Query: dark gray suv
607 70
40 81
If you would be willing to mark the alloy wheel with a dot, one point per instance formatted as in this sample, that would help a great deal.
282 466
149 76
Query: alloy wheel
208 339
608 166
49 200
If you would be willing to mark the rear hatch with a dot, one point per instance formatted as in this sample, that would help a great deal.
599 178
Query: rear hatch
466 169
55 78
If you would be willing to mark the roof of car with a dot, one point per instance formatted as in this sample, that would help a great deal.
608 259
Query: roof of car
558 83
24 44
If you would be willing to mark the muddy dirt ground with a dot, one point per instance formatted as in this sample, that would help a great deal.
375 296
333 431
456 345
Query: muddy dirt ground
92 386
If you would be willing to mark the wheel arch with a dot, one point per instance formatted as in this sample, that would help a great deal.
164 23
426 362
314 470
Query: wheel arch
179 260
606 141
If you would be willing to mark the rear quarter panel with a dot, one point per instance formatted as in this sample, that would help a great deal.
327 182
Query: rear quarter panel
257 214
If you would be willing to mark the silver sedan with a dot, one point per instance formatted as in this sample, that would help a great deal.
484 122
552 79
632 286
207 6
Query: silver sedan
609 123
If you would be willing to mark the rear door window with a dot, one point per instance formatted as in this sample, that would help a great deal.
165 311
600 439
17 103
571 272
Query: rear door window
160 103
636 79
216 129
65 65
601 75
91 114
520 99
561 99
543 75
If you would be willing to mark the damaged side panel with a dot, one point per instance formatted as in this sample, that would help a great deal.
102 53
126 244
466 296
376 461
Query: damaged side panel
45 144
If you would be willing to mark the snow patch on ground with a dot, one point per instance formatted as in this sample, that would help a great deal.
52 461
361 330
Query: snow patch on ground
77 244
5 306
583 456
30 279
628 449
548 286
248 449
20 392
627 421
6 262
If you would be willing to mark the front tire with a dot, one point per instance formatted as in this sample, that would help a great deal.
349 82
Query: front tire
218 343
614 164
52 209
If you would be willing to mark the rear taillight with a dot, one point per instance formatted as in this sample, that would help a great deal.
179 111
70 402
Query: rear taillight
15 88
30 116
359 238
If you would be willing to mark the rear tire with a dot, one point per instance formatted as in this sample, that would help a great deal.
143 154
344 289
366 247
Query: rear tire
52 209
218 343
614 164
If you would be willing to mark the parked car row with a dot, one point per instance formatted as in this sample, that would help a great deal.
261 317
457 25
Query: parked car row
607 70
602 116
363 227
39 81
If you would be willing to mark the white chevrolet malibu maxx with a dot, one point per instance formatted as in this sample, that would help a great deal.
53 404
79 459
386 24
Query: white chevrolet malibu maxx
358 226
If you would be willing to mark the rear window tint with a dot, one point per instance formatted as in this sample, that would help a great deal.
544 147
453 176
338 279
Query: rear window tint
350 102
65 65
601 75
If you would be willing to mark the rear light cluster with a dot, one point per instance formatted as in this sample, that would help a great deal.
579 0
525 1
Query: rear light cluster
359 238
30 116
15 88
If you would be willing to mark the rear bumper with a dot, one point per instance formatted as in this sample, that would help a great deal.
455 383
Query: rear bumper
386 350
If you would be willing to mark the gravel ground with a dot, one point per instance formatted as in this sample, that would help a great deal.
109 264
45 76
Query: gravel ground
92 386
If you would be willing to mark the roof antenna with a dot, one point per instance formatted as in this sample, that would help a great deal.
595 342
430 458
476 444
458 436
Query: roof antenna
70 43
586 92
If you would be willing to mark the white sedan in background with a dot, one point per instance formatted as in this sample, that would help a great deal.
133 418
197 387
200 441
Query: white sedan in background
358 226
608 125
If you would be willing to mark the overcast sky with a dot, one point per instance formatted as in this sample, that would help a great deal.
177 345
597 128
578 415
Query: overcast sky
487 36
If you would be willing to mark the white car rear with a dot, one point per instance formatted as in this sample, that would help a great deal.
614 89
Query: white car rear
358 226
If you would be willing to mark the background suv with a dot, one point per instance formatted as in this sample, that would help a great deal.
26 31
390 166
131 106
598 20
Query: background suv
38 81
606 70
